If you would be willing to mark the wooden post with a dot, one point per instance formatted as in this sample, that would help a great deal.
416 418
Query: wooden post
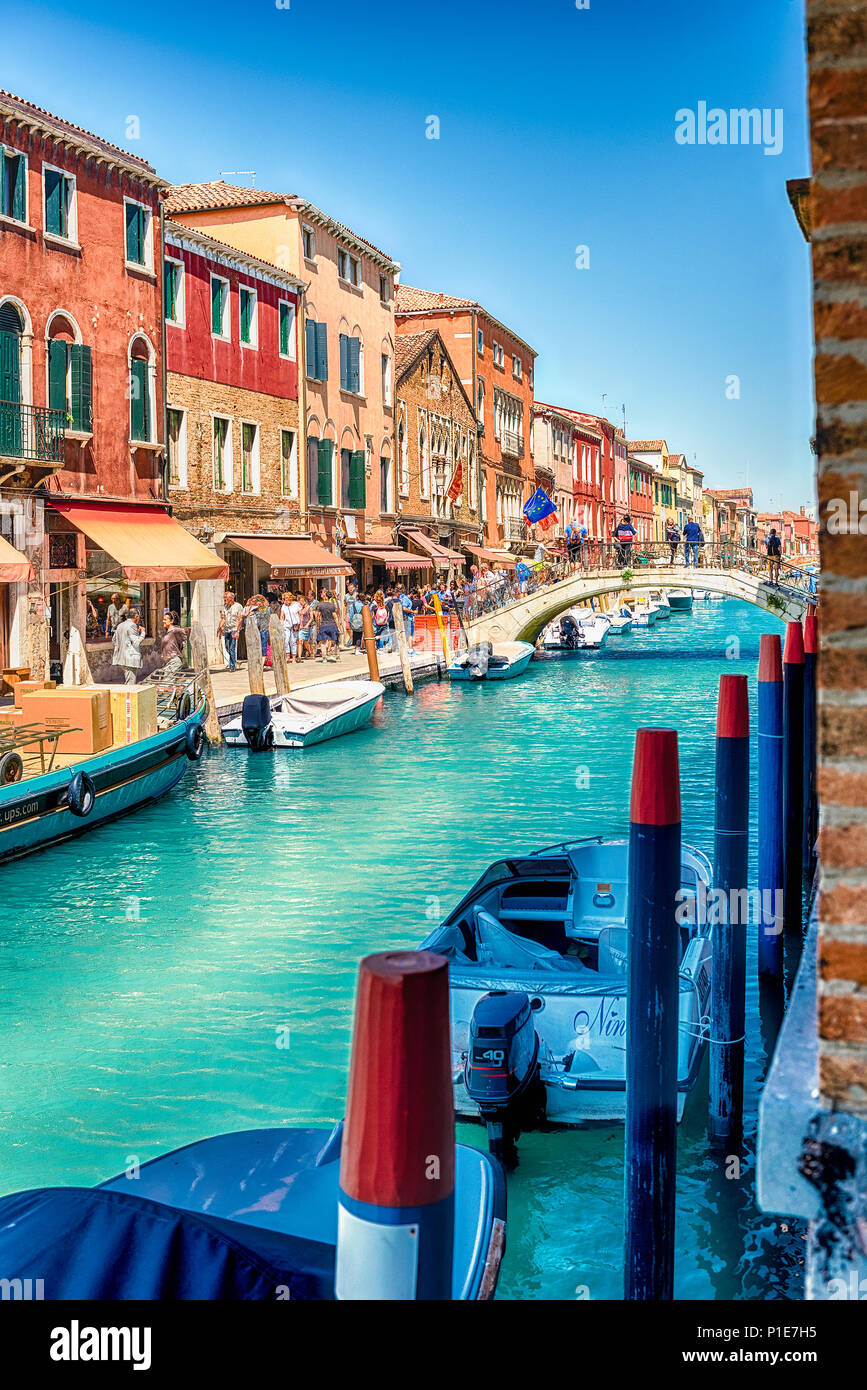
402 648
438 609
278 655
255 664
199 651
370 643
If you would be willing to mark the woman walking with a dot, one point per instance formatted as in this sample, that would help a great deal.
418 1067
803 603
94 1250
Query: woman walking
328 634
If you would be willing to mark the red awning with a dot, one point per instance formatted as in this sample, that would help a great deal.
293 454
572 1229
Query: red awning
146 542
14 567
440 554
292 556
391 556
499 557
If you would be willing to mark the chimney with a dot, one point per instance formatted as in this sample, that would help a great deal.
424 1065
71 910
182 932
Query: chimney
803 509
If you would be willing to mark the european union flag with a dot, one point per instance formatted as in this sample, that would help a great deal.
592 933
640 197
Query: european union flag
538 507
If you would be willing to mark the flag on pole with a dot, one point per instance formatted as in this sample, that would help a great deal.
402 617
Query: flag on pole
456 486
538 508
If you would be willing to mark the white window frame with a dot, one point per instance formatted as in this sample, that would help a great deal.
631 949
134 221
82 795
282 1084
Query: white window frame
72 214
424 462
148 263
255 458
354 264
308 231
384 281
480 342
385 359
253 344
229 461
292 490
517 367
183 482
7 216
480 401
182 292
224 337
292 354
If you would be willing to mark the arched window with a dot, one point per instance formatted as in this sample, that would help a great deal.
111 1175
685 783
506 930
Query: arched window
70 373
141 390
404 460
13 385
424 463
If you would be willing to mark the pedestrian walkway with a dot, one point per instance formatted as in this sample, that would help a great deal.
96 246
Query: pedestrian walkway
230 687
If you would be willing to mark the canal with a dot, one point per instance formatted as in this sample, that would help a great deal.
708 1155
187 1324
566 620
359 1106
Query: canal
191 969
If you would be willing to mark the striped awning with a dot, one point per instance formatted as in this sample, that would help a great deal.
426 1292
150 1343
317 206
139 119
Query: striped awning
440 554
146 542
292 557
499 557
389 555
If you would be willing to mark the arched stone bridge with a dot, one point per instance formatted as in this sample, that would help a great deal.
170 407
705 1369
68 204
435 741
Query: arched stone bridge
523 619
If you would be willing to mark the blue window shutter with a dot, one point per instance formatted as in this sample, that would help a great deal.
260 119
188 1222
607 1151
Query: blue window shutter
322 351
310 346
53 197
354 364
324 480
18 198
344 362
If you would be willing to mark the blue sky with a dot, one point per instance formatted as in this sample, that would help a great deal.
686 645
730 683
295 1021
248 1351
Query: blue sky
556 131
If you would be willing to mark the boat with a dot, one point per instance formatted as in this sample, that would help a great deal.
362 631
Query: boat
680 600
41 805
303 717
713 597
644 614
252 1214
493 661
660 602
579 629
537 955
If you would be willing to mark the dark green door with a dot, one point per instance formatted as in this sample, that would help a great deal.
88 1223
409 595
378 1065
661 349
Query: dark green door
10 394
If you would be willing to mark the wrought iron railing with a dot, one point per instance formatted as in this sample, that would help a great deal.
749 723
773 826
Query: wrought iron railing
32 433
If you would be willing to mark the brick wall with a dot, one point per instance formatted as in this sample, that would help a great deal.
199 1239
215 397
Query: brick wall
837 43
269 510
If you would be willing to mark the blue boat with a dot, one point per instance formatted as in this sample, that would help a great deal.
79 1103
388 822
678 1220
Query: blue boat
241 1216
493 661
66 801
537 954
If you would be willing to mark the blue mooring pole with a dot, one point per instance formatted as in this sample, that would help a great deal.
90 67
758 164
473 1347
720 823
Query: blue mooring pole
793 776
729 935
811 813
770 808
652 1017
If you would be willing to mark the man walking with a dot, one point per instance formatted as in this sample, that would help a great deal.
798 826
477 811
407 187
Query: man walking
672 535
775 553
230 626
693 537
127 647
624 534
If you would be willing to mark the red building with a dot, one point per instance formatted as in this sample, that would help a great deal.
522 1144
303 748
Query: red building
81 384
641 497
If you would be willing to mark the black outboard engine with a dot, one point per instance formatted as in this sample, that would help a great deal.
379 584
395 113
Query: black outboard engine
501 1071
256 724
478 659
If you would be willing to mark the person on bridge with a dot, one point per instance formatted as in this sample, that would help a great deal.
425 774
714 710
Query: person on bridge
693 537
775 554
672 535
624 534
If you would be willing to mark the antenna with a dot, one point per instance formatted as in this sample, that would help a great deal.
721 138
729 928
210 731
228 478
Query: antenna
240 174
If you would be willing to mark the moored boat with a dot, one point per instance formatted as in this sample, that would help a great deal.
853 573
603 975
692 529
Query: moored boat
579 629
644 614
659 600
680 600
493 661
537 955
304 717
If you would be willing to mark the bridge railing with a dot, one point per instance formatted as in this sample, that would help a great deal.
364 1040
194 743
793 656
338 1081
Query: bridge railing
594 558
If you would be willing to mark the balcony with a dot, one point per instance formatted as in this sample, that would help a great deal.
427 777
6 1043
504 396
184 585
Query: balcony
32 434
513 529
511 444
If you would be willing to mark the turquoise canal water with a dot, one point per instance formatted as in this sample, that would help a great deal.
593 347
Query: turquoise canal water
150 969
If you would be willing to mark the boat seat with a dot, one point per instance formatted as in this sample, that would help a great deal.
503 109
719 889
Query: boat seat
501 947
612 950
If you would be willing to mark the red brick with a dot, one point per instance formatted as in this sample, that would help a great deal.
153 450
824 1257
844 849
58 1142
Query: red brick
836 93
842 788
844 905
843 960
841 612
843 1080
843 669
846 319
843 1018
840 377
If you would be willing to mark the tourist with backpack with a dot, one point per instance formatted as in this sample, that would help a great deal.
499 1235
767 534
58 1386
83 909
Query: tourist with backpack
354 618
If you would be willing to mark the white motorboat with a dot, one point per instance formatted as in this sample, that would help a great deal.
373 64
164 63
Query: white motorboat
303 717
493 661
537 954
620 623
660 601
644 613
580 629
680 600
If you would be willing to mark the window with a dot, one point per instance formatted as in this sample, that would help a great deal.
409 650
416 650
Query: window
308 243
173 290
385 485
139 396
348 267
404 461
517 367
13 185
386 379
324 463
317 351
139 250
60 212
222 454
287 329
384 289
353 484
70 383
177 447
350 364
249 457
480 343
481 403
247 316
424 465
220 327
288 464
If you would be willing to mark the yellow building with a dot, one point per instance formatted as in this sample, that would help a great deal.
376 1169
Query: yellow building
655 452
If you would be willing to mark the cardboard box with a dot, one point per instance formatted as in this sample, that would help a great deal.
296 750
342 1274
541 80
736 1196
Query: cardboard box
133 710
27 688
82 708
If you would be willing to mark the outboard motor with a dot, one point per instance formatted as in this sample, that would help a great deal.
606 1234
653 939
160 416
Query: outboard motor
478 659
256 724
501 1071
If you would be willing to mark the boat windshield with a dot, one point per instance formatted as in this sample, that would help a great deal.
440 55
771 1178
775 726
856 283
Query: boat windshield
505 870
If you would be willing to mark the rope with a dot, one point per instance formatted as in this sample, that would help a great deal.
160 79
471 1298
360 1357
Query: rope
703 1033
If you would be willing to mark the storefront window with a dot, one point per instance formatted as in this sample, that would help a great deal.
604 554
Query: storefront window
103 579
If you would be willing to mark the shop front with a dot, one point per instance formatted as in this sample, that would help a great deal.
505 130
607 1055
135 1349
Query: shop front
379 565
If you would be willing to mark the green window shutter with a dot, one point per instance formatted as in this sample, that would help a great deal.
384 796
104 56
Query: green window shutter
139 412
218 290
312 472
324 476
53 202
170 289
57 362
357 481
344 362
134 234
81 392
16 194
353 363
246 304
310 346
10 393
4 191
285 345
322 351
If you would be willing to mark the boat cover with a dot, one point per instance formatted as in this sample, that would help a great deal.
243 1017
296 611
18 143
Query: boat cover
92 1243
496 945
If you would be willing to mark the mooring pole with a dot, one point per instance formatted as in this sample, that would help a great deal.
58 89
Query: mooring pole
402 646
793 775
652 1016
370 643
811 814
770 856
729 930
396 1212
